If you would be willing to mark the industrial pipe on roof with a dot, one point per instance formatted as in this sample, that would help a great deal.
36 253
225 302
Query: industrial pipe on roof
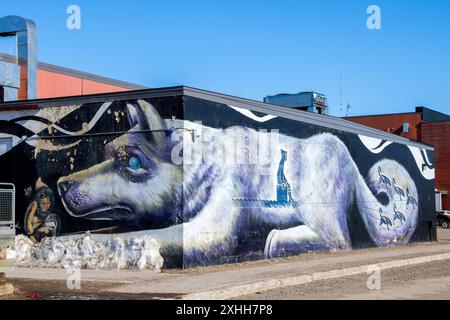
25 31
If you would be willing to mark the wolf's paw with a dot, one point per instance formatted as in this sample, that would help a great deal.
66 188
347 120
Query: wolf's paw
270 247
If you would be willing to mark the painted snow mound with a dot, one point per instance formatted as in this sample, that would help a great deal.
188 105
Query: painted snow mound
138 253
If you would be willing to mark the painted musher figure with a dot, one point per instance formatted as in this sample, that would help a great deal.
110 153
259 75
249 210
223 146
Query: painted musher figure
38 212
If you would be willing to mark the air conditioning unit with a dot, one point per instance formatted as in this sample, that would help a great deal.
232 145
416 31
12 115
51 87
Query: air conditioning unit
307 101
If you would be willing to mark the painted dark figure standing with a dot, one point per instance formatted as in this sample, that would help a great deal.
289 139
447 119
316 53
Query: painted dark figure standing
284 192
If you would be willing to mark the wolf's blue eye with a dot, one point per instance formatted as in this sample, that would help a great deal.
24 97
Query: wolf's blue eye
134 163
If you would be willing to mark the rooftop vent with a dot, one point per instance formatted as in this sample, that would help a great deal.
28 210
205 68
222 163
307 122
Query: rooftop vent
306 101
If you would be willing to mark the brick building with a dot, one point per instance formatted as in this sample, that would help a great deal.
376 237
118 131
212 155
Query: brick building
426 126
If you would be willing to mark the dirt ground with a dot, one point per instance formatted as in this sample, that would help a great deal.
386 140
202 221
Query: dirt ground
57 290
430 281
354 287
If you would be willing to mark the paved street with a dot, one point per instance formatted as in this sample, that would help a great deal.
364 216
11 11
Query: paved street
426 281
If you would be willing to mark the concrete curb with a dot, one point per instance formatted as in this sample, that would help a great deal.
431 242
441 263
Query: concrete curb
260 286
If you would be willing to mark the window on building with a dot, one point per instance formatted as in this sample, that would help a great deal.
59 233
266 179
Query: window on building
2 94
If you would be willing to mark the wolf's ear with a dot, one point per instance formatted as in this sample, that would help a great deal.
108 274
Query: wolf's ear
143 116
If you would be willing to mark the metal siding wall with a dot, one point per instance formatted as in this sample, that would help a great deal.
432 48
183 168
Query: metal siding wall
51 85
57 85
91 87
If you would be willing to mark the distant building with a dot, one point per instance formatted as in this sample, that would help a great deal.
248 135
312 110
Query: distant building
307 101
22 77
426 126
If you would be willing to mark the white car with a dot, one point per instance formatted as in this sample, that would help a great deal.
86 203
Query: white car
443 219
444 212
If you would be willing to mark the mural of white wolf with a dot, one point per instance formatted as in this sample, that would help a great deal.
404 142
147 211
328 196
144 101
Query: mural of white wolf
298 201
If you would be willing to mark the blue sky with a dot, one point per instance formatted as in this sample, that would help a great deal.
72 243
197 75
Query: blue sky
255 48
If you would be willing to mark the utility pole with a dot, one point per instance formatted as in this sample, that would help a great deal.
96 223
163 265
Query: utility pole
341 90
347 113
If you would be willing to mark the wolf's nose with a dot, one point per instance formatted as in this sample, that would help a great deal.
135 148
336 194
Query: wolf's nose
65 185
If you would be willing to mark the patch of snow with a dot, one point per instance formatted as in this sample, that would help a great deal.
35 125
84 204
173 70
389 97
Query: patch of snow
85 253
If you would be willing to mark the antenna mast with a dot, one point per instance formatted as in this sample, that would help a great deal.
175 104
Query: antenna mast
347 113
341 89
